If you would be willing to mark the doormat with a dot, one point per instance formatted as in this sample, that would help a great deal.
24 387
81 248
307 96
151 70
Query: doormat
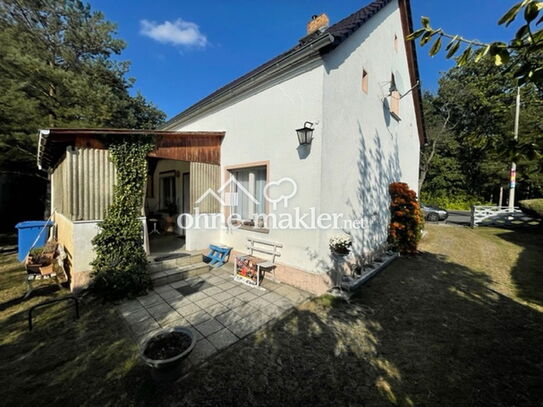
171 256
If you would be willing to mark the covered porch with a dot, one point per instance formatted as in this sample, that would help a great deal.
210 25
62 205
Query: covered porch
182 166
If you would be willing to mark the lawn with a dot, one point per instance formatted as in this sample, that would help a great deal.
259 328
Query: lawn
459 325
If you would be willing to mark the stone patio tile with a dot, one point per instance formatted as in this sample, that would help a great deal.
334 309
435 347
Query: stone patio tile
232 302
198 317
150 299
247 296
229 317
223 296
222 338
206 276
173 318
292 294
212 291
244 310
272 310
257 318
209 327
144 326
162 289
237 290
272 297
202 351
259 303
188 309
242 328
197 296
137 316
170 295
206 302
160 310
226 285
178 284
216 309
216 280
283 304
178 302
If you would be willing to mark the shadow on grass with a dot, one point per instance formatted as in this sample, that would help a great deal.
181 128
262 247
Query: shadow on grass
527 273
424 332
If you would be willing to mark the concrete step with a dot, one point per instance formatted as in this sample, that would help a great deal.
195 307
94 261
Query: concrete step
190 258
172 275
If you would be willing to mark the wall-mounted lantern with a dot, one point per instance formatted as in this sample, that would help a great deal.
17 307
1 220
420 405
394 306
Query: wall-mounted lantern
305 134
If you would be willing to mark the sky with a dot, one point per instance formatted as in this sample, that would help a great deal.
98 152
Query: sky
180 51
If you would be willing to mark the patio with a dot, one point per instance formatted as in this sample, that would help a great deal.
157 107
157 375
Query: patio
220 310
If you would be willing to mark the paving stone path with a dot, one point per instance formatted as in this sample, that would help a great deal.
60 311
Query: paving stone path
220 310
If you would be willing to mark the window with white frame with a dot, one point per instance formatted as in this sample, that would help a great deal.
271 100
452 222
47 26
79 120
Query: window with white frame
247 200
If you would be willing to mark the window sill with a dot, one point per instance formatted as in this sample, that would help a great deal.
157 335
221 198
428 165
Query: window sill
252 228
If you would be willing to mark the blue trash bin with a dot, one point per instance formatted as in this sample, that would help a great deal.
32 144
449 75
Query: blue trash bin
32 231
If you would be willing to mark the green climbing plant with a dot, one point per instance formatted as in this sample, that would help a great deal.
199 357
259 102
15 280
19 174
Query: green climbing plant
119 269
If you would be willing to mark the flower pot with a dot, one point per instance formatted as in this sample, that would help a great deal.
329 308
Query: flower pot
166 369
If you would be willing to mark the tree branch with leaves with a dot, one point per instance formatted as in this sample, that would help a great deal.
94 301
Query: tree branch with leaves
526 46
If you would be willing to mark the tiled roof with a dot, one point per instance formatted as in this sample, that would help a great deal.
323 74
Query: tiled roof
342 29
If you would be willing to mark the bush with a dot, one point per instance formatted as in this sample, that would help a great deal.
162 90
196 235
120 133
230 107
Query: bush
458 202
120 264
406 220
533 207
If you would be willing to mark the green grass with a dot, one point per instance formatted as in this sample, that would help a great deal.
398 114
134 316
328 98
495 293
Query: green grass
87 362
459 325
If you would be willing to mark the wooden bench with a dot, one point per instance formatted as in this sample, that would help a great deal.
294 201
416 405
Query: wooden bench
248 268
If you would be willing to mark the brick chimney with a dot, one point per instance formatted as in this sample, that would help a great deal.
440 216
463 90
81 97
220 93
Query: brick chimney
317 22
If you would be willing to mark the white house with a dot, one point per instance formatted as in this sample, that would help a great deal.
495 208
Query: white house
354 83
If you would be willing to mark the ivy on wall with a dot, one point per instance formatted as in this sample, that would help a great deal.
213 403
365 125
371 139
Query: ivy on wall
119 269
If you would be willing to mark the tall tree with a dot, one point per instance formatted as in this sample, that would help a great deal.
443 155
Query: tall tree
478 99
56 69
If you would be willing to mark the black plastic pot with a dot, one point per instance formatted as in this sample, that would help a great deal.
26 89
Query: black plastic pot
167 369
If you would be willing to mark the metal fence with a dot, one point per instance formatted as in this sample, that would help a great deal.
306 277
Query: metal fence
501 216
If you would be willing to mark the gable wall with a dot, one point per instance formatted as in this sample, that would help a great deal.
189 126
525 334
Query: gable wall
364 147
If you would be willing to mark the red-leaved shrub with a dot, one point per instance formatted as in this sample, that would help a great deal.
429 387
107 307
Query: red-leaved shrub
406 220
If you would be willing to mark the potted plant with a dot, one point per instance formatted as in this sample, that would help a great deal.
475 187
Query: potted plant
164 351
40 260
340 245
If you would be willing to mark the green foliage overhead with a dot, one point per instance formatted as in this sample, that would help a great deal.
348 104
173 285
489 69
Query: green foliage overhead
57 70
120 264
522 55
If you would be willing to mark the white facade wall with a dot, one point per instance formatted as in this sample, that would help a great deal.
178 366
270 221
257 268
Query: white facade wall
262 127
364 147
357 151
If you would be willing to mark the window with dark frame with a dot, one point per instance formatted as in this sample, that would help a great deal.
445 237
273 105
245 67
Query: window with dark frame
168 193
